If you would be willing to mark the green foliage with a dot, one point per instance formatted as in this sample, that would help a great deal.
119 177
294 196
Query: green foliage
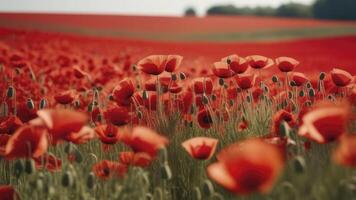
335 9
190 12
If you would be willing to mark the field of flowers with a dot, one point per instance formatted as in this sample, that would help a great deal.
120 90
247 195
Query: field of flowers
92 118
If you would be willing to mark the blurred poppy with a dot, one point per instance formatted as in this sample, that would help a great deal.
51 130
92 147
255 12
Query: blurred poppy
202 85
60 122
201 148
341 78
8 192
106 169
279 117
245 81
345 153
78 73
222 70
260 62
49 162
123 92
4 138
244 168
10 124
154 64
140 159
27 141
65 97
325 123
237 64
299 78
108 134
82 136
117 115
286 64
143 139
173 62
204 119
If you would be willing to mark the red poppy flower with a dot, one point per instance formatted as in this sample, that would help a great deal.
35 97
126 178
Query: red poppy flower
143 139
78 73
341 78
27 141
175 88
260 62
117 115
123 92
324 123
65 97
244 168
106 169
201 148
286 64
279 117
4 138
108 134
7 192
83 136
154 64
173 62
139 159
49 162
204 119
242 125
237 64
222 70
60 122
245 81
345 153
10 124
203 85
299 78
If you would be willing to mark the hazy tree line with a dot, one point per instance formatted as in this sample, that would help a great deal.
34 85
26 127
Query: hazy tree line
323 9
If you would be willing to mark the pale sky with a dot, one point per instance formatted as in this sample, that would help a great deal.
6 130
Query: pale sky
128 7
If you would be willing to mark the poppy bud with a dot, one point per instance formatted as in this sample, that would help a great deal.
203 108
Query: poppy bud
139 114
231 102
301 93
91 107
174 77
205 99
182 76
30 104
213 97
308 103
134 68
248 99
67 179
10 92
228 61
274 79
166 172
284 129
197 194
290 95
292 83
4 109
30 166
221 81
18 168
43 103
309 85
91 181
208 188
144 94
111 97
78 156
322 76
311 93
299 164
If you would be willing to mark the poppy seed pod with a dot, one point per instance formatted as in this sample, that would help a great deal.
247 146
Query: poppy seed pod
18 168
10 92
67 179
299 164
30 104
30 166
91 181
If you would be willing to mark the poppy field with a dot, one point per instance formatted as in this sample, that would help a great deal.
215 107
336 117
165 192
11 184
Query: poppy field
112 118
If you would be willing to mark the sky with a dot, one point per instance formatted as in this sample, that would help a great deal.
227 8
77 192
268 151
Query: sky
128 7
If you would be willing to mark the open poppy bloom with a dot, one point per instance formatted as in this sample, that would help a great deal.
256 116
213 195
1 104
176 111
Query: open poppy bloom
10 125
60 122
173 62
222 70
286 64
260 62
79 73
201 148
324 123
204 119
123 92
7 192
299 78
117 115
108 134
143 139
154 64
237 64
345 153
244 168
49 162
27 141
106 169
65 97
341 78
203 85
245 81
279 117
140 159
82 136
